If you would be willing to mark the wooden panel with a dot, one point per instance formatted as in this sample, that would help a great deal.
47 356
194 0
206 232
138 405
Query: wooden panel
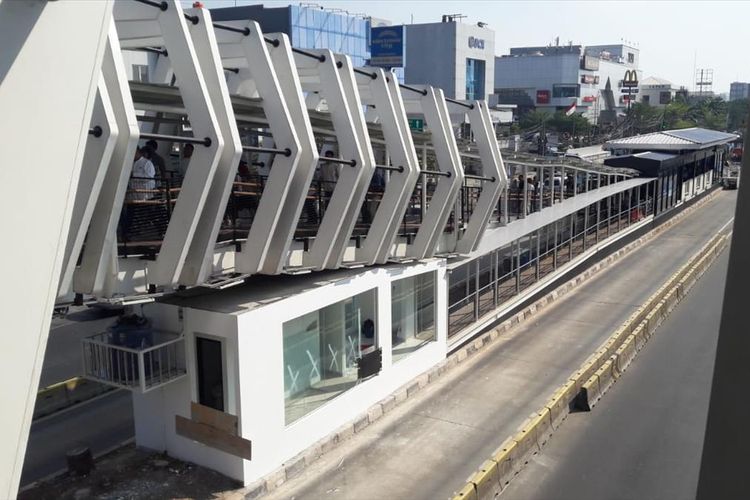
214 438
220 420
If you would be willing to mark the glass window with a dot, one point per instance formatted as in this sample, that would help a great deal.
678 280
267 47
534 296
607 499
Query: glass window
566 90
412 314
474 79
140 73
321 350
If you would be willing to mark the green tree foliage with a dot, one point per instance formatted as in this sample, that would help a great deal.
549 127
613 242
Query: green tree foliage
737 114
708 113
533 119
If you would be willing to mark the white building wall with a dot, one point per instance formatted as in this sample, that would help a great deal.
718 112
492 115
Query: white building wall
254 387
155 411
436 54
616 73
464 51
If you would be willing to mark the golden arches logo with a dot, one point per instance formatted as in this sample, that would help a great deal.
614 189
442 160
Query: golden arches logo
630 79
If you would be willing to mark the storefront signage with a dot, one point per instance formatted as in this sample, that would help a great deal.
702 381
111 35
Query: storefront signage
589 98
630 79
590 63
476 43
589 79
387 46
542 96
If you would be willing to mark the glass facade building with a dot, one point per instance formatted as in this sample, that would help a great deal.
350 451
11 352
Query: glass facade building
315 28
311 27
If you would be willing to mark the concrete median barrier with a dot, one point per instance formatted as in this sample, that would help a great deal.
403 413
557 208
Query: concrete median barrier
526 445
543 425
67 393
587 369
590 393
485 480
468 492
51 399
606 375
558 407
641 336
626 353
503 459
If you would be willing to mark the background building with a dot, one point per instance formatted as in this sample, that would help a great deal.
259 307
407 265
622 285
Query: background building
310 27
739 90
552 78
457 57
656 92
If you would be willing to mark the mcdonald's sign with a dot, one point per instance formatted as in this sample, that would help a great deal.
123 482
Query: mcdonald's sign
631 79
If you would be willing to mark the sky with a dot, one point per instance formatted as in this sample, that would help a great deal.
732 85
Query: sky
674 37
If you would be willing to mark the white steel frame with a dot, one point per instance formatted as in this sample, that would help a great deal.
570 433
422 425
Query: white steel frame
432 106
384 94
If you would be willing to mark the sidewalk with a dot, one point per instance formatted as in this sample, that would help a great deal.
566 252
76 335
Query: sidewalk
427 447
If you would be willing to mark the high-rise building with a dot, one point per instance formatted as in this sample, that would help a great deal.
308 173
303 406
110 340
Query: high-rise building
309 27
739 90
458 57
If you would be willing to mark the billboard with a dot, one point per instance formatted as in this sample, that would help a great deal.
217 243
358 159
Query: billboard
387 46
542 96
590 63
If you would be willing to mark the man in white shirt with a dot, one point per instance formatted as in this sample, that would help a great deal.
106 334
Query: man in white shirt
142 177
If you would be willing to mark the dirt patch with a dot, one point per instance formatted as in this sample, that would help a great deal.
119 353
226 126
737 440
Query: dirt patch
130 473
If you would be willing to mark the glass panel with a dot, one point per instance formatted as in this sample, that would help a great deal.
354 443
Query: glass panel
321 350
412 314
486 294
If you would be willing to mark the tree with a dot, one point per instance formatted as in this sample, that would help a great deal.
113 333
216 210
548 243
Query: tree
645 118
533 119
737 114
573 124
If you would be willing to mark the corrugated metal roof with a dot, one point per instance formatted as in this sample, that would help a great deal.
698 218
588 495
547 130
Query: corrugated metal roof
654 138
701 135
689 138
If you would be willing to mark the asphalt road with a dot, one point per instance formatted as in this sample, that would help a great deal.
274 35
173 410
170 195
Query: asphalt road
428 446
645 437
453 423
100 424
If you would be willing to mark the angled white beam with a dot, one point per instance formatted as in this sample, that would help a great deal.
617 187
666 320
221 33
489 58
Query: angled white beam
337 86
49 67
96 158
137 26
289 212
433 106
492 168
267 71
382 92
199 260
102 232
365 168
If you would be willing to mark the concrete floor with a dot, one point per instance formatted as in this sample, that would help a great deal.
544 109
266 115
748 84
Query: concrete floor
644 438
427 447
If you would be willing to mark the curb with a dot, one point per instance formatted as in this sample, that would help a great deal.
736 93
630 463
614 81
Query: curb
295 465
599 372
